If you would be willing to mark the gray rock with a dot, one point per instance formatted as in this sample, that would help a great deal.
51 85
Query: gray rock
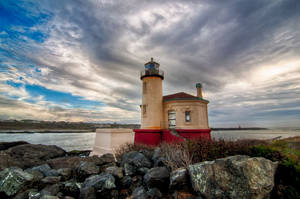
36 174
160 162
117 172
86 169
157 177
233 177
154 193
14 180
105 159
49 197
34 194
25 194
45 169
139 193
147 153
178 178
126 182
71 189
51 190
136 159
51 180
97 183
65 173
142 171
129 170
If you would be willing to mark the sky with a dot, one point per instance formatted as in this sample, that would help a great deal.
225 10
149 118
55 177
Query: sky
80 60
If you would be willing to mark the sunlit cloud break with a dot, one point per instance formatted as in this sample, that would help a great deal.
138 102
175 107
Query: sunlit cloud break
80 60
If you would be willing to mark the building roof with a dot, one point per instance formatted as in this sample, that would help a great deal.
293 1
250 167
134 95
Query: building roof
182 96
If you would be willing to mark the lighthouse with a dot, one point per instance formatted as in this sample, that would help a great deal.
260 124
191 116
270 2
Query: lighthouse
152 96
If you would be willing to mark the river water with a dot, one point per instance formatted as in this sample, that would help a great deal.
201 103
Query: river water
85 141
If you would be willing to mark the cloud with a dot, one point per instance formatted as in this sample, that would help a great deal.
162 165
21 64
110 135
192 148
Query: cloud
95 49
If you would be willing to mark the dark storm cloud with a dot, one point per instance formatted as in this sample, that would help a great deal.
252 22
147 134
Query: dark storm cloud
96 49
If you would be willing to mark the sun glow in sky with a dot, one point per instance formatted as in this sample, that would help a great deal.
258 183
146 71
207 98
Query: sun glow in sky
80 60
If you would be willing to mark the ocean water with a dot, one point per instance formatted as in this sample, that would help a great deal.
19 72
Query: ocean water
85 141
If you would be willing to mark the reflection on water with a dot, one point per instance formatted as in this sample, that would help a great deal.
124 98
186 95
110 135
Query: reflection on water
85 141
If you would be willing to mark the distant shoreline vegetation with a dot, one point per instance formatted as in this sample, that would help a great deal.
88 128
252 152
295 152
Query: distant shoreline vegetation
33 126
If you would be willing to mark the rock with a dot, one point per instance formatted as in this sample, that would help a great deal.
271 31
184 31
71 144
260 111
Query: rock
34 194
234 177
25 194
136 159
185 195
65 173
156 155
126 182
51 180
142 171
36 174
86 169
52 190
97 184
160 162
178 178
117 172
29 155
46 170
129 170
154 193
68 197
83 153
71 189
14 180
106 159
157 177
49 197
139 193
147 153
7 145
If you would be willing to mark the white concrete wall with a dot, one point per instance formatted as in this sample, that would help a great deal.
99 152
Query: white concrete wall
107 140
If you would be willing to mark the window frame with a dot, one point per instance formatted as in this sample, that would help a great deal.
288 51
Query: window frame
187 116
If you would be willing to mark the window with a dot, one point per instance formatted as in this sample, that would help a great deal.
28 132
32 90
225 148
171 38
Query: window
145 87
172 119
187 116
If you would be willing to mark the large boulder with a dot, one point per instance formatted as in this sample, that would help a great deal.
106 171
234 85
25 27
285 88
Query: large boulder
86 169
157 177
178 178
14 180
7 145
28 155
233 177
45 169
136 159
97 185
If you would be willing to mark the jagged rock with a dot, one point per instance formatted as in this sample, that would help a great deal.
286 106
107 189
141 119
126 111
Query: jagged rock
129 170
139 193
178 178
36 174
86 169
68 197
97 185
83 153
147 153
142 171
71 189
7 145
160 162
136 159
157 177
45 169
117 172
34 194
64 162
154 193
51 180
65 173
14 180
106 159
28 155
126 182
234 177
25 194
51 190
49 197
156 155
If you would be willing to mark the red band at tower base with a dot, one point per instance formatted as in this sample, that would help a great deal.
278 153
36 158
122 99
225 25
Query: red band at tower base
154 137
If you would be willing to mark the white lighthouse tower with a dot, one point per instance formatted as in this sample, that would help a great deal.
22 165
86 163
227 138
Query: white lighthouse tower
151 108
